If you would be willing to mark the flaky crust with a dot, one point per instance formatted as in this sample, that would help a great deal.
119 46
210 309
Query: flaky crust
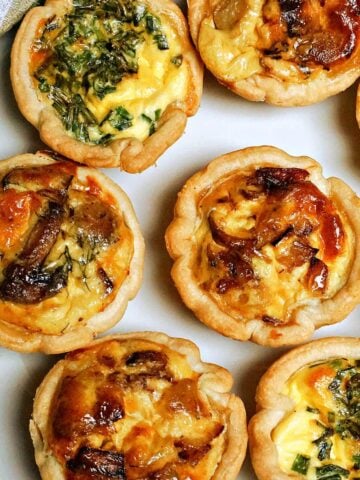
181 247
215 382
129 154
20 339
272 405
262 88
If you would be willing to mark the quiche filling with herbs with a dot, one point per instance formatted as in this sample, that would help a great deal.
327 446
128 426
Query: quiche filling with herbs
109 68
268 242
289 40
65 248
131 410
320 438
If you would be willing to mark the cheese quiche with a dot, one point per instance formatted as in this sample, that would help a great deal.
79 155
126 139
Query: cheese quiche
108 83
284 52
139 406
308 426
265 247
71 253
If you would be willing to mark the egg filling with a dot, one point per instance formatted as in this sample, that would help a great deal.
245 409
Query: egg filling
268 242
290 40
132 410
65 248
320 438
109 69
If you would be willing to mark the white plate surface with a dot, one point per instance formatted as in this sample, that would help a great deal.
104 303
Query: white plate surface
327 132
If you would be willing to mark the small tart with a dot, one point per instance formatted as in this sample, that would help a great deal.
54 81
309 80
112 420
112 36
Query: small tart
138 406
108 84
283 52
265 248
307 425
71 253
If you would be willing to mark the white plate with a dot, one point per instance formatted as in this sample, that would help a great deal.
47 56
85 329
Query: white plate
327 132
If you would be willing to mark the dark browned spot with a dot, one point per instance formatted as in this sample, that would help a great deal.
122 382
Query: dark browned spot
99 464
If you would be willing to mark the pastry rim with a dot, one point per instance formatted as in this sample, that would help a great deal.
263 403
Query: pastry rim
262 88
272 405
128 154
214 380
22 340
182 228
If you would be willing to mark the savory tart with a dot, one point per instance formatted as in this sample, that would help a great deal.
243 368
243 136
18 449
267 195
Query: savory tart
107 83
140 406
71 253
265 248
307 426
283 52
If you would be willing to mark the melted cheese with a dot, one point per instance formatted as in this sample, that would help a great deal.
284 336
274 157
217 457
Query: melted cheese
300 428
84 295
275 290
149 429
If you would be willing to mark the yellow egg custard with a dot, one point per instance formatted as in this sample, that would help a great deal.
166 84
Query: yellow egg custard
110 71
70 253
138 406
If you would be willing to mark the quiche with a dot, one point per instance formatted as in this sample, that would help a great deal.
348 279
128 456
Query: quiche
307 426
139 406
265 247
71 253
108 83
283 52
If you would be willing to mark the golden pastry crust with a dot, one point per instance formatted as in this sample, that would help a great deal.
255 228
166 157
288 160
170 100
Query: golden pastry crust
71 253
276 51
274 406
258 297
213 418
130 153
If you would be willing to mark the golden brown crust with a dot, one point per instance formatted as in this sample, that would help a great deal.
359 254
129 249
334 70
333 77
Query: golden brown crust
272 405
214 382
129 154
180 241
19 338
264 87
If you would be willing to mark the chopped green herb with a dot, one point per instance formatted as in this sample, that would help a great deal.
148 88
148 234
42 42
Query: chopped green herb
312 410
152 121
356 459
331 417
177 60
301 464
120 118
327 471
152 23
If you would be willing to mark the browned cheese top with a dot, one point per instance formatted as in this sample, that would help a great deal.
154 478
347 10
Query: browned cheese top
132 410
270 241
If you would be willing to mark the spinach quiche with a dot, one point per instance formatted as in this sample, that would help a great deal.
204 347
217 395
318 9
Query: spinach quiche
283 52
265 247
139 406
308 426
71 253
108 83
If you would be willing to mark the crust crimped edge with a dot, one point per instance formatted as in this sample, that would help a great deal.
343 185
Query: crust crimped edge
22 340
215 382
262 88
180 244
129 154
272 405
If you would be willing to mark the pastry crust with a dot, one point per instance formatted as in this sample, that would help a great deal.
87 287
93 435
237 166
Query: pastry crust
231 319
273 405
212 385
358 106
249 53
130 154
86 292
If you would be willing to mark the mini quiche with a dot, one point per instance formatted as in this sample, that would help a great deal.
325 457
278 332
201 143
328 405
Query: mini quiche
108 83
284 52
265 248
140 406
308 424
71 253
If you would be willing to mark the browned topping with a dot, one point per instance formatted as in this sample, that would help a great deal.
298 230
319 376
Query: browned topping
191 453
96 463
313 32
183 396
148 361
271 320
166 473
270 178
108 284
317 275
